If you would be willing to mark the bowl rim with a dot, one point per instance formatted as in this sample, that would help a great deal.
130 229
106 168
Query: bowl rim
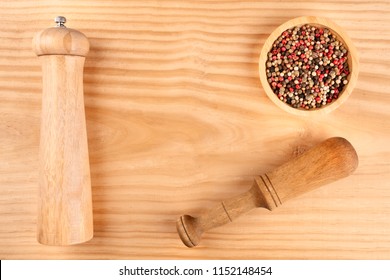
353 63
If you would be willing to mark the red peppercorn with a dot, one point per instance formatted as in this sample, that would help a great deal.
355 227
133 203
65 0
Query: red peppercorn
291 89
297 87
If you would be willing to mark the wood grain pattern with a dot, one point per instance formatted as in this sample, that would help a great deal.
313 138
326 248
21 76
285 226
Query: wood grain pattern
177 120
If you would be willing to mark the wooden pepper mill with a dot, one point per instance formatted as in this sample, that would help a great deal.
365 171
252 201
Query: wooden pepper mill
65 201
329 161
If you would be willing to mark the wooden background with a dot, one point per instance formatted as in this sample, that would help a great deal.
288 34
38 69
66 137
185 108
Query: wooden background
177 121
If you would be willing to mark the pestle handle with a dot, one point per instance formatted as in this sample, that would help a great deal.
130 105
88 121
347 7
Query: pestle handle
65 201
333 159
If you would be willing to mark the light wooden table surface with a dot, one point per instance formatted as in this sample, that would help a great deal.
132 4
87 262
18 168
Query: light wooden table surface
177 121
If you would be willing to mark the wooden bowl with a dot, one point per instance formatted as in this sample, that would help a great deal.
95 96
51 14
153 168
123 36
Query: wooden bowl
353 63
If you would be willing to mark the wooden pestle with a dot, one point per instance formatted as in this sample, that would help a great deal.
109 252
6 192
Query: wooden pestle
327 162
65 202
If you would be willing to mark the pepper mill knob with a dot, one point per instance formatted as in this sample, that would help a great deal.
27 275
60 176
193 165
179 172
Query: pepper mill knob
60 40
60 20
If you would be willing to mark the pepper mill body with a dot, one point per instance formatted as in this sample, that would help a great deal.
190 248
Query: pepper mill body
65 201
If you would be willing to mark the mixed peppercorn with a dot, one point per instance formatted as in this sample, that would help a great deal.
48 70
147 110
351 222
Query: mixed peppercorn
307 67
